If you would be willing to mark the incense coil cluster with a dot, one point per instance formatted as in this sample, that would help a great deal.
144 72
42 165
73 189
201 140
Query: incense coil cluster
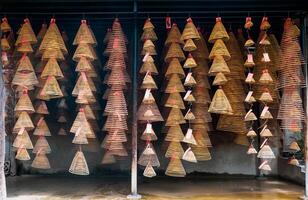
116 79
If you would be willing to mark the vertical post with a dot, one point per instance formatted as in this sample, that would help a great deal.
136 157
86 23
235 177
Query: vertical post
303 22
134 194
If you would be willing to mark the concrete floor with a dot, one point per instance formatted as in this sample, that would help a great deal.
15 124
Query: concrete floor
161 188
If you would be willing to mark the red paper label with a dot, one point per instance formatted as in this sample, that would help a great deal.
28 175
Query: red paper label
168 23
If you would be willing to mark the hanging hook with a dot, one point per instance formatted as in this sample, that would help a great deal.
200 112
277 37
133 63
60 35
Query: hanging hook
288 14
148 14
53 15
83 16
248 14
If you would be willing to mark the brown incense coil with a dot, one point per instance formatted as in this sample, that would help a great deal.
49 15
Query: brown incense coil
249 61
294 161
241 140
174 85
190 81
201 153
114 146
218 32
84 50
24 104
27 80
149 171
148 66
82 87
42 128
116 135
61 104
175 150
265 78
220 49
5 26
116 103
265 166
251 133
174 51
201 113
264 40
23 121
41 161
149 34
22 140
84 65
266 153
189 45
174 35
175 101
265 25
248 23
201 95
116 77
202 68
175 117
24 65
190 62
79 164
148 97
52 69
62 131
52 88
116 60
232 123
266 97
148 134
250 116
24 48
148 82
220 79
249 43
85 99
189 115
174 134
175 168
108 158
250 80
119 152
115 122
175 67
53 53
266 115
84 35
22 154
148 48
41 146
53 39
26 34
149 112
90 114
219 65
220 104
117 41
266 132
190 31
294 146
149 156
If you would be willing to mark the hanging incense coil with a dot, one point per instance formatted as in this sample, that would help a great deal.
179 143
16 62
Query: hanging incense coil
190 31
189 45
80 136
218 32
202 67
41 146
79 164
42 128
148 97
148 48
189 156
148 134
266 153
51 88
220 49
189 137
24 104
52 69
5 26
174 150
116 103
148 66
22 140
220 79
250 116
148 33
190 80
24 48
26 34
175 67
251 133
174 51
175 117
174 134
41 161
149 171
24 65
175 168
27 80
174 35
266 132
220 104
266 97
189 97
248 23
232 123
219 65
86 51
23 121
53 39
201 153
53 53
84 35
148 82
108 158
174 85
265 25
174 100
149 112
22 154
190 62
84 65
115 122
201 113
201 95
148 156
62 131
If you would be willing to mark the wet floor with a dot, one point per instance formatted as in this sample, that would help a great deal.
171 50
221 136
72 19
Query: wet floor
102 188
